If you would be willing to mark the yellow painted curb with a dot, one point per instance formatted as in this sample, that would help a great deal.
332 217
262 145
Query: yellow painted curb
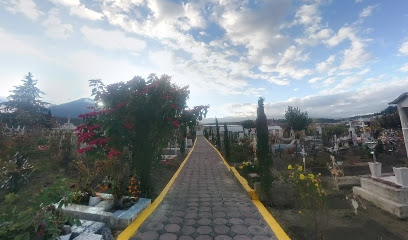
134 226
273 224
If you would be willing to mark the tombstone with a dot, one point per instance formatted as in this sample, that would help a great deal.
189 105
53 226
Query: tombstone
292 134
402 105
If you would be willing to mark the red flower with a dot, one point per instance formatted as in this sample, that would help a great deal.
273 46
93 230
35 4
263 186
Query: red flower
121 105
175 123
113 152
129 125
174 106
84 150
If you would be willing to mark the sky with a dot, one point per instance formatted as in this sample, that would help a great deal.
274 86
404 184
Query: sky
330 58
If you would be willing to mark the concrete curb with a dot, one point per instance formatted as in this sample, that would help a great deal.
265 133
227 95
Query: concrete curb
273 224
134 226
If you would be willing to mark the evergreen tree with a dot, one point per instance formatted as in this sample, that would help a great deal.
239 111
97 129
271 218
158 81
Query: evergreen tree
262 147
26 97
226 143
218 134
25 102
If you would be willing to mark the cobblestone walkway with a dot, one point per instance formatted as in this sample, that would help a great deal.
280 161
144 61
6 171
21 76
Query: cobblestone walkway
205 202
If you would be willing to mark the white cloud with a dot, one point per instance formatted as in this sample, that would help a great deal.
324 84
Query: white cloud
367 11
26 7
333 105
314 80
79 9
355 56
19 45
112 39
54 28
279 82
404 48
325 65
404 68
364 71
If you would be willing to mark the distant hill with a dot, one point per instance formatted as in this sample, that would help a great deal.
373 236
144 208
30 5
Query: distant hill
72 109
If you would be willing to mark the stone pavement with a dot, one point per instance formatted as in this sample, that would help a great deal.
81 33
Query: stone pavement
205 202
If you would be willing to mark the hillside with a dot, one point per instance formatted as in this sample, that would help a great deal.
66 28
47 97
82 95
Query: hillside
72 109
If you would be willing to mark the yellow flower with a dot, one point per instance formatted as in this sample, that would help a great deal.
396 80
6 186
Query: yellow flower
301 176
300 168
290 167
317 185
241 167
311 176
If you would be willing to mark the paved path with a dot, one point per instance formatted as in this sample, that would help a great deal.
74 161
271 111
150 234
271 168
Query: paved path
205 202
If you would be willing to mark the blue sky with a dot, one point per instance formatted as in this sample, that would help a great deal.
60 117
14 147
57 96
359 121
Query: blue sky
330 58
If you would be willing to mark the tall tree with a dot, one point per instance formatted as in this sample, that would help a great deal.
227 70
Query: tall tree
296 119
248 124
26 97
226 142
218 134
262 147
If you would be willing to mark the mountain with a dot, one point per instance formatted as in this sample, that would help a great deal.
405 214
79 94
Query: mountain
72 109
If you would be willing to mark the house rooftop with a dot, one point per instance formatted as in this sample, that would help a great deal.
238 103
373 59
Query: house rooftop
400 98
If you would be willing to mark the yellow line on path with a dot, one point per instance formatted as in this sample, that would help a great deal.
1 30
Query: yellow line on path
134 226
273 224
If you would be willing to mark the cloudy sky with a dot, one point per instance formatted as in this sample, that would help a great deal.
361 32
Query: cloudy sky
330 58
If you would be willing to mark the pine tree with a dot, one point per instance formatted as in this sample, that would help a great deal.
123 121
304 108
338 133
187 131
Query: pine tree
25 104
262 147
218 134
26 97
226 143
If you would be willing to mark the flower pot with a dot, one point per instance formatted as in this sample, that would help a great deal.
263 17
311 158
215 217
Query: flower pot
375 169
401 174
93 201
65 237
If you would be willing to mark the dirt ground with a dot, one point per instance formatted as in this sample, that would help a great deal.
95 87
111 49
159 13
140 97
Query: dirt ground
370 223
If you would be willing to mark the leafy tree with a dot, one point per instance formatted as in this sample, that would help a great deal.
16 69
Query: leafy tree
390 121
218 134
330 130
226 143
248 124
296 119
262 147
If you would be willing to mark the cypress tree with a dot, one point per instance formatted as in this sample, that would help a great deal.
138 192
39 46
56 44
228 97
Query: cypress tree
226 142
262 147
218 134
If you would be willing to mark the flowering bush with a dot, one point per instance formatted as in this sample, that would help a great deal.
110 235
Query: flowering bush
311 196
248 167
138 116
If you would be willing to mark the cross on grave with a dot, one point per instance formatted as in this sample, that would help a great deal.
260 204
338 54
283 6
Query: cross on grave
304 154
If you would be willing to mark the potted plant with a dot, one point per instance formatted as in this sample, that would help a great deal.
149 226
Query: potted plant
118 181
85 192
